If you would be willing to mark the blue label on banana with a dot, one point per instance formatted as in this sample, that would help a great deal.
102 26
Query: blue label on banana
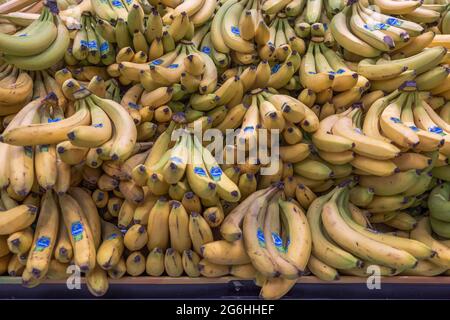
173 66
42 243
117 3
437 130
414 128
77 231
394 22
22 35
216 173
28 151
104 47
275 68
92 44
261 240
395 120
200 171
157 62
112 236
249 129
133 105
358 130
53 120
235 31
84 43
176 160
44 148
98 125
340 71
206 50
278 242
129 1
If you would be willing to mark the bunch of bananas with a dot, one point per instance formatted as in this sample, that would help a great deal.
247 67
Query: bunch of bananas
438 203
16 89
357 245
39 45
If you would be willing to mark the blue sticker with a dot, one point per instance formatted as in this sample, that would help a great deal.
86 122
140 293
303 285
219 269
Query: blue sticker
157 62
235 30
261 240
216 173
206 50
84 43
77 231
133 105
117 3
414 128
112 236
381 26
173 66
23 35
176 160
312 72
92 44
129 1
42 243
437 130
340 71
275 68
53 120
98 125
394 22
278 242
325 26
249 129
104 47
200 171
358 130
28 151
395 120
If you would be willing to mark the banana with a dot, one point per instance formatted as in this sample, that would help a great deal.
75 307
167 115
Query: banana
225 253
313 169
295 153
63 247
244 271
155 262
387 203
260 257
425 268
304 195
94 135
199 231
321 270
191 202
17 218
310 76
275 288
190 261
110 251
179 227
361 196
326 141
380 168
158 225
20 242
97 281
15 269
211 270
402 221
44 237
422 233
333 220
135 264
80 233
173 263
437 202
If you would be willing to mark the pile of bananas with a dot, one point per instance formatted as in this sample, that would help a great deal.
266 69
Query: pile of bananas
101 164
